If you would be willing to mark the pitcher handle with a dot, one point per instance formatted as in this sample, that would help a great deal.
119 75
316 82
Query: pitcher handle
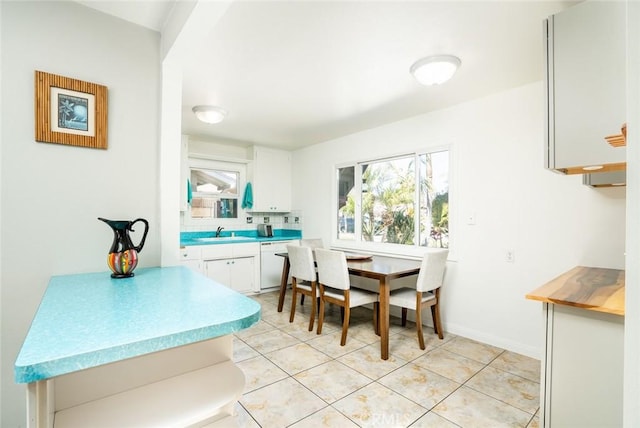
138 247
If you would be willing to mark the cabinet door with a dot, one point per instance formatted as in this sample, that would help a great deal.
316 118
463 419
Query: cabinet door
242 274
586 85
272 180
193 264
219 271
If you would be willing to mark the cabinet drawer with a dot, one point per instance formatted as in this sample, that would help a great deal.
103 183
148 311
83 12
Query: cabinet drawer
244 250
190 253
212 252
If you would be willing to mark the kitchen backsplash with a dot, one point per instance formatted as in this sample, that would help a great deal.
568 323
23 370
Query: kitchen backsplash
292 220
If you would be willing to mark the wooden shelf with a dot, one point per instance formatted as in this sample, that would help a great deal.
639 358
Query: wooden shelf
618 140
194 398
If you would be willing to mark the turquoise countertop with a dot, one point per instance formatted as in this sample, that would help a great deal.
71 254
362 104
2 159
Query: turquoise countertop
239 236
87 320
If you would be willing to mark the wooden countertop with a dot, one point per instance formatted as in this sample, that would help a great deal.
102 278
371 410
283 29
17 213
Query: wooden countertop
594 289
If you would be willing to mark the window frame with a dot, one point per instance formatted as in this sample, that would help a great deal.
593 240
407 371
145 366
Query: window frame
358 244
223 165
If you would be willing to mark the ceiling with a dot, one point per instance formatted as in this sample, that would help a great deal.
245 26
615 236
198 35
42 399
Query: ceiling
295 73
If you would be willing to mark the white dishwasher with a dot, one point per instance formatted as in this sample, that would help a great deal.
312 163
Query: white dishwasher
270 264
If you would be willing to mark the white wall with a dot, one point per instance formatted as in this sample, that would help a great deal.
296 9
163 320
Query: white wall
552 222
52 194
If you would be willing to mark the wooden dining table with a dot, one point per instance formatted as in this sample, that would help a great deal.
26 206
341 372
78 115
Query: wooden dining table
380 268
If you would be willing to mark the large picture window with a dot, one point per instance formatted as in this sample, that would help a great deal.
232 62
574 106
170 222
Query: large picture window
402 200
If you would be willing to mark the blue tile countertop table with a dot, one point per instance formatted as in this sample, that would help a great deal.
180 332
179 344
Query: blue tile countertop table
87 320
236 236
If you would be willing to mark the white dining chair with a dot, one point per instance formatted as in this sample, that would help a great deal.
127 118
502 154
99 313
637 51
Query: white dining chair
335 287
426 293
303 279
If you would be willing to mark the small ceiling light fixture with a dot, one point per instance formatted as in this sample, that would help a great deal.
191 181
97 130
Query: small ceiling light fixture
434 70
592 168
210 114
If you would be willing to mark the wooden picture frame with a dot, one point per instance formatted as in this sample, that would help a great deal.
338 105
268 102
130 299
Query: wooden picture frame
70 111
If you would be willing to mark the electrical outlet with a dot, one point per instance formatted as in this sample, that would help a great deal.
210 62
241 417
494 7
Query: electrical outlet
471 219
510 256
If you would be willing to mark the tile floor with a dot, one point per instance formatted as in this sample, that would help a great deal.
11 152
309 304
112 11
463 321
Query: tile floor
295 378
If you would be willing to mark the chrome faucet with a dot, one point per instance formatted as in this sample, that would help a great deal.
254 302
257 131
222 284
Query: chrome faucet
218 231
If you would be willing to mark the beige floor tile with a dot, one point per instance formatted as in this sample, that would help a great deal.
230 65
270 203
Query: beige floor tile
242 351
534 423
330 344
242 418
256 329
368 362
332 381
259 371
277 319
270 341
527 367
407 347
471 409
450 365
512 389
327 417
363 331
281 404
297 378
431 420
471 349
377 406
297 358
419 384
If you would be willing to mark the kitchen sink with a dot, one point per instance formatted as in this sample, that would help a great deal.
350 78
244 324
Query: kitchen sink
225 238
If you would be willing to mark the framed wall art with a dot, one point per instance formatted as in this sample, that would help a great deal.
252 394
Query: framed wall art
70 111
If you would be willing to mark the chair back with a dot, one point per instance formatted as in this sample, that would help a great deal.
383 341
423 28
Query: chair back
301 261
332 268
432 269
313 243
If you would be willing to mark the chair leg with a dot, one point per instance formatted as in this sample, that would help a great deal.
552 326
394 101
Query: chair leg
404 317
293 300
345 325
320 316
437 324
376 318
302 300
312 318
419 326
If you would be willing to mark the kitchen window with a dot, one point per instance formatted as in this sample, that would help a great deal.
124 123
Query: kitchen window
214 191
402 200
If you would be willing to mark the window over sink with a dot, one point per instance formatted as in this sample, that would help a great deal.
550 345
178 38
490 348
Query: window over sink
214 190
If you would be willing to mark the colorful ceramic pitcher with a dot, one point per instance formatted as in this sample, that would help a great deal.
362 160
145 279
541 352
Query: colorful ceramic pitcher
123 255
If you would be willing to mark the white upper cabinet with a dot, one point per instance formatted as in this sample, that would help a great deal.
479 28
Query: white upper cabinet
586 80
271 180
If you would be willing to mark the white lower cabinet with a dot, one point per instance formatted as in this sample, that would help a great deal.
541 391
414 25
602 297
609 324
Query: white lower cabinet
236 266
237 274
582 371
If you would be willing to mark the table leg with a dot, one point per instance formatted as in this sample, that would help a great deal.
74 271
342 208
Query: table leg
383 319
283 283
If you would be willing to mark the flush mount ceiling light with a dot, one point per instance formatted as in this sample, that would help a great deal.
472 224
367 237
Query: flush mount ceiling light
210 114
434 70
